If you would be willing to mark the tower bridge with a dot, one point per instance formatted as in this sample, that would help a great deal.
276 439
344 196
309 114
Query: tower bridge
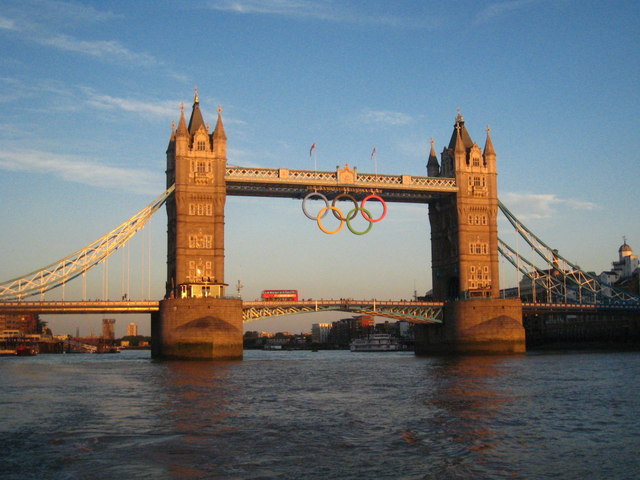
196 320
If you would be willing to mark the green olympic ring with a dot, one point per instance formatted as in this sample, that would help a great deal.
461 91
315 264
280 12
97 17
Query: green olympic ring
355 212
366 214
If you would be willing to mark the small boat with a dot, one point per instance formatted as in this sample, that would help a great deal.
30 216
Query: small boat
26 350
378 342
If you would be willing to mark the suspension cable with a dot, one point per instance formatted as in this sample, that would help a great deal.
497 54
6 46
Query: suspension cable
72 266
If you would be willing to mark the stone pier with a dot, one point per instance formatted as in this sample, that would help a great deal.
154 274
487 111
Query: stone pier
198 329
475 326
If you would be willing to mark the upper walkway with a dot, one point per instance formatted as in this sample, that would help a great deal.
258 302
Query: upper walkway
283 182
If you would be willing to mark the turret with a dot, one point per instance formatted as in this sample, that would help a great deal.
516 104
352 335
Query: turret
219 137
196 121
433 168
489 153
460 153
182 134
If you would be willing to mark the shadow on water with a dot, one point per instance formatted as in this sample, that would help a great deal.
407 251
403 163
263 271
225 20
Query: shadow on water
463 402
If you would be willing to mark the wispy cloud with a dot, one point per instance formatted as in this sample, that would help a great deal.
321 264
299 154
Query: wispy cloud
529 206
61 97
107 50
42 22
79 170
60 12
165 109
385 117
7 24
328 10
499 9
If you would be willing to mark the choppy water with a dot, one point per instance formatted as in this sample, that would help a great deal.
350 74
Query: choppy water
323 415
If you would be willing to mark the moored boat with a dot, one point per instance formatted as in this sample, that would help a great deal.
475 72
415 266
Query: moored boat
378 342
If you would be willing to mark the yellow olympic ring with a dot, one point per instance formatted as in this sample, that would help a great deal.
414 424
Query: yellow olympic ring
321 214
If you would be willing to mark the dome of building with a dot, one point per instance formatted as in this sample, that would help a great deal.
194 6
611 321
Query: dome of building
625 248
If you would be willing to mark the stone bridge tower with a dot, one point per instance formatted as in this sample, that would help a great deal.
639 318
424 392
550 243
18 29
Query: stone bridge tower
195 320
464 228
196 162
464 252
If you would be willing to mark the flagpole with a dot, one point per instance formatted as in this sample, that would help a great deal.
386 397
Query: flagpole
375 159
313 153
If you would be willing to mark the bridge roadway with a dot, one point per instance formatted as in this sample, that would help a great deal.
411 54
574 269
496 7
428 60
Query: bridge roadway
416 312
419 312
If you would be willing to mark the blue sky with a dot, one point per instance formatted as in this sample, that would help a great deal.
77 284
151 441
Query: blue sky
88 91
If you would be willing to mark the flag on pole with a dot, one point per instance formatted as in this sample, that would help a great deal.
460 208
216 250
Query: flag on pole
312 149
375 160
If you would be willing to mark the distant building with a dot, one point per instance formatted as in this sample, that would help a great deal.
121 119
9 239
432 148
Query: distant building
320 332
627 262
132 330
25 323
108 328
345 330
625 272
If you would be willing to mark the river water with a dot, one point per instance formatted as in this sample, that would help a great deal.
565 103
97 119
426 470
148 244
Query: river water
321 415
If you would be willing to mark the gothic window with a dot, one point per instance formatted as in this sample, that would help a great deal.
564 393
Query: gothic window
200 145
201 167
201 209
478 248
470 219
484 219
200 241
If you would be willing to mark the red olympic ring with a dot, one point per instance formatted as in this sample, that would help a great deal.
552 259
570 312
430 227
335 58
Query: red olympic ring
366 215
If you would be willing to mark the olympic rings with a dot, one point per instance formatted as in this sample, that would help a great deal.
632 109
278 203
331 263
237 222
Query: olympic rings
366 214
337 213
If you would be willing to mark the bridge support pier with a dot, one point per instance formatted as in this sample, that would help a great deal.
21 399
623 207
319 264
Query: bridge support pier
202 328
474 326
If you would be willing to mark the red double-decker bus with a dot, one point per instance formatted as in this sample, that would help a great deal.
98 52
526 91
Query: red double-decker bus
279 295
